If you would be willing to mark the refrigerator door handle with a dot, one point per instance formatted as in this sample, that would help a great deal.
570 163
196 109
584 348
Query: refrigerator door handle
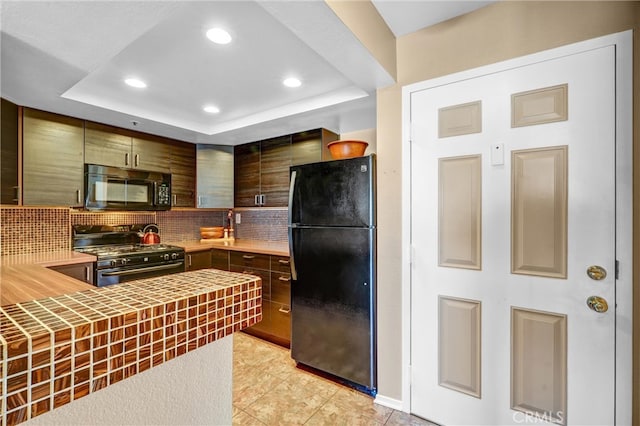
294 274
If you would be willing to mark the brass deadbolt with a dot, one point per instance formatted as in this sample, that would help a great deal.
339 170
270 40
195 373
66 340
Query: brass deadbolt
596 272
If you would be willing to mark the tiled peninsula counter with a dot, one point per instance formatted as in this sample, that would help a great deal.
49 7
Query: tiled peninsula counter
59 349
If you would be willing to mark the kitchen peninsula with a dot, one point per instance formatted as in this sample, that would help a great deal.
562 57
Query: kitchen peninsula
158 349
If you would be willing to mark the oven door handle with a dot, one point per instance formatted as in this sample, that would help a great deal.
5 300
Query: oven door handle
141 270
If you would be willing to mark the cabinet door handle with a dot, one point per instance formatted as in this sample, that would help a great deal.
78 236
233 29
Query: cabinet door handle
189 258
284 310
87 270
256 200
199 201
287 279
283 262
16 193
248 256
174 199
126 158
78 197
136 160
263 199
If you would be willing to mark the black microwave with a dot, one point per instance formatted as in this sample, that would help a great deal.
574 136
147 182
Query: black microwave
112 188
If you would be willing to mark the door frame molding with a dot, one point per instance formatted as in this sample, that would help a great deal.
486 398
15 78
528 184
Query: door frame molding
623 43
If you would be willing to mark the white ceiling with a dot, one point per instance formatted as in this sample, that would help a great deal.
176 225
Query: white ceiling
71 57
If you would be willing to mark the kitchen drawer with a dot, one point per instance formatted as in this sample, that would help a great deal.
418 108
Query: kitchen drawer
280 264
280 317
220 259
281 287
264 275
251 260
198 260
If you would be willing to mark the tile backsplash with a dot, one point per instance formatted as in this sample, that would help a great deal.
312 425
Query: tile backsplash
25 230
34 230
184 225
262 224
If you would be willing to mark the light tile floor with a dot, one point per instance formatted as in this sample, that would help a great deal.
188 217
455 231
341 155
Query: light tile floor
268 389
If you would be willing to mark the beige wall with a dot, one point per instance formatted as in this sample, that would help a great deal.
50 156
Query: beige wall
497 32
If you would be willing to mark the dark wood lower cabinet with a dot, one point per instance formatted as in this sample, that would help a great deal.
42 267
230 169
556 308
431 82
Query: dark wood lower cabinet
220 259
197 260
276 294
79 271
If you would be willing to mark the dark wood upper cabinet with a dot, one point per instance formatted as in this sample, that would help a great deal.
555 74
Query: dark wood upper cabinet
262 168
274 171
53 152
107 145
9 190
150 153
112 146
246 174
182 164
307 147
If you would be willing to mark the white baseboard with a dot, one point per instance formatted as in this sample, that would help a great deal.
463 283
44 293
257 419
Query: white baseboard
385 401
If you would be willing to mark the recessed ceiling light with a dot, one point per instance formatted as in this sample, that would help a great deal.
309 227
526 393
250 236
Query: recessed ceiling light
292 82
219 36
134 82
211 109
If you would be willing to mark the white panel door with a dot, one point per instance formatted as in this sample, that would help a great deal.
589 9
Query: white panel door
505 335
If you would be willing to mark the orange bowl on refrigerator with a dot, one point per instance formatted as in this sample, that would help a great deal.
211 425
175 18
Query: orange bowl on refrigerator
347 149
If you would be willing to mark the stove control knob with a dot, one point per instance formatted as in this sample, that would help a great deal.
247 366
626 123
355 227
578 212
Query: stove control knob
125 261
166 256
112 263
174 256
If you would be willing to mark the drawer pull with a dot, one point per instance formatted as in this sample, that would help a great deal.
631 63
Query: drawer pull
283 262
248 272
248 257
284 310
287 279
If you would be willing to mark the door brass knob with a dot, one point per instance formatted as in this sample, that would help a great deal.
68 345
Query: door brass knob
597 304
596 272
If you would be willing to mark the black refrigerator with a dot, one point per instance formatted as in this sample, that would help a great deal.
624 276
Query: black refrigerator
332 238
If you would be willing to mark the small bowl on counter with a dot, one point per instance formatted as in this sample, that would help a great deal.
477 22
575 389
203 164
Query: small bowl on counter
209 232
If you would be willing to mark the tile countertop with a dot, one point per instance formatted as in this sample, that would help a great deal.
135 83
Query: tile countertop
27 277
58 349
276 248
